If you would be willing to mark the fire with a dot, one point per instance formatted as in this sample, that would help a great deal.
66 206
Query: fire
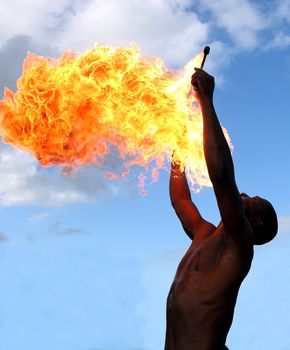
71 111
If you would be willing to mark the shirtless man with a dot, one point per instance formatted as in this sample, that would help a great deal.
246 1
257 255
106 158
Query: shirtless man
202 298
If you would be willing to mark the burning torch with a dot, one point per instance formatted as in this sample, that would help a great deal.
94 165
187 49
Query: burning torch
206 51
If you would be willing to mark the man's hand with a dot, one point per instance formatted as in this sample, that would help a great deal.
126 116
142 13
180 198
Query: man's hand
203 85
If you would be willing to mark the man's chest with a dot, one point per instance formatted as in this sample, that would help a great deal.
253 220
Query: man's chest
209 265
203 255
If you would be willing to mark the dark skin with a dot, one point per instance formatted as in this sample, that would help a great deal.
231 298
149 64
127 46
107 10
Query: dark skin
202 298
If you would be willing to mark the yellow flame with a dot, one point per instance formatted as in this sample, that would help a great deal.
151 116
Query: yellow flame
71 110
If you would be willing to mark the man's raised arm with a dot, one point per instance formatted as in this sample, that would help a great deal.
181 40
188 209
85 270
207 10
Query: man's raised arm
186 211
218 156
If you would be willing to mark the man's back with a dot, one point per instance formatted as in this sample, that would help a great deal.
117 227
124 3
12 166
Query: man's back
202 297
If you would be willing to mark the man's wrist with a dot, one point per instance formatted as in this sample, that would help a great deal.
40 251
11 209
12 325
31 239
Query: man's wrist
205 101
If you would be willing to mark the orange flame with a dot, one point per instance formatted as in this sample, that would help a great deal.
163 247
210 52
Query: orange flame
70 111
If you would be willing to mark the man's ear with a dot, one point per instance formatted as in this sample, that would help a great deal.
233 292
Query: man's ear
256 221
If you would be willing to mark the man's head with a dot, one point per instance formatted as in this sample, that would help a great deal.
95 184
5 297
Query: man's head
262 217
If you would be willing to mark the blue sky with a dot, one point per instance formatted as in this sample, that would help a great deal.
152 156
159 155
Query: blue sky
86 264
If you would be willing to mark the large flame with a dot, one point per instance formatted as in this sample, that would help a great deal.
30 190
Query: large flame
71 110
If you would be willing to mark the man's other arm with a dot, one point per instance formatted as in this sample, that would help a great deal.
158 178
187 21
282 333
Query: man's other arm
187 212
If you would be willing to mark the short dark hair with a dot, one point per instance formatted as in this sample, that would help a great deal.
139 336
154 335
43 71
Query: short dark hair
267 231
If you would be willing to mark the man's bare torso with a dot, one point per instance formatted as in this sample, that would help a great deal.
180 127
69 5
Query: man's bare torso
202 297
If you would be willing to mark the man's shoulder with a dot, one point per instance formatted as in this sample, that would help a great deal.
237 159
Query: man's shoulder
240 244
241 236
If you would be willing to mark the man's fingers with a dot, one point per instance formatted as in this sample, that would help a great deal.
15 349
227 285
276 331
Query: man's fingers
195 85
194 81
194 76
200 72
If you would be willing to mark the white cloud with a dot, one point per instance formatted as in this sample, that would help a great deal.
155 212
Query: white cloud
161 28
22 183
280 41
171 29
280 34
239 18
27 17
38 217
283 9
